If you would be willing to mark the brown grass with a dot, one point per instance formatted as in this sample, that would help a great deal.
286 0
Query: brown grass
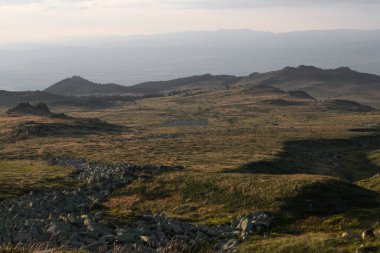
22 176
240 130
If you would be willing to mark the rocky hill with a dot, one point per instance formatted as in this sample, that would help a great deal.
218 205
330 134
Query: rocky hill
78 86
303 82
338 83
40 109
38 121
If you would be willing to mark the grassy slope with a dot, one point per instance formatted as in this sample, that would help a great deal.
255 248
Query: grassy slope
311 243
214 198
19 177
240 131
372 183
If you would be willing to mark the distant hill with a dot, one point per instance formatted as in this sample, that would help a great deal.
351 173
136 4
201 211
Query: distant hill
132 60
335 83
9 98
78 86
206 81
304 82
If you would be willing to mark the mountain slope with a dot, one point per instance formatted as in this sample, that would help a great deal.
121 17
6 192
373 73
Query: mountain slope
78 86
206 81
338 83
9 98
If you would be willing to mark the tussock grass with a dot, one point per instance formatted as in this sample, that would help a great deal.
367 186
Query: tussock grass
353 220
217 197
22 176
218 184
239 130
310 243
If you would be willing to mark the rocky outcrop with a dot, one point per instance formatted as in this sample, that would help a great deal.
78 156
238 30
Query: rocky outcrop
69 127
67 219
40 109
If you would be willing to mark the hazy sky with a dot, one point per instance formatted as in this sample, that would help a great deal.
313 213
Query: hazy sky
51 20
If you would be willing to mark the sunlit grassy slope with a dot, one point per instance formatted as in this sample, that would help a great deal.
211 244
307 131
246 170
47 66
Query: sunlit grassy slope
298 162
19 177
214 198
239 130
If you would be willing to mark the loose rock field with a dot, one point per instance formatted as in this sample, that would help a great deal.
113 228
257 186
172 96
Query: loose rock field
63 218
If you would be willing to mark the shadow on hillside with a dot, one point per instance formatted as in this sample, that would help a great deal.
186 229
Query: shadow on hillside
76 127
343 158
341 197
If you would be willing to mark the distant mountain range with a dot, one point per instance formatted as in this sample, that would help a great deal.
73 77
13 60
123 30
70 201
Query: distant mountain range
131 60
305 82
342 83
337 83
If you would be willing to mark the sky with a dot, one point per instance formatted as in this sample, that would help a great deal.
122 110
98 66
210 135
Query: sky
31 21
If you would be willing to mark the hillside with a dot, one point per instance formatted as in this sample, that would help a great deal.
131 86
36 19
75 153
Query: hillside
11 98
307 164
78 86
206 81
338 83
304 81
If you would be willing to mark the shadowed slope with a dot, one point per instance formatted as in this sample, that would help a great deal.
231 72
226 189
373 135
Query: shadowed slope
343 158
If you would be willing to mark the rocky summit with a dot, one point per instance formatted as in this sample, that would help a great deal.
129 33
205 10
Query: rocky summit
66 220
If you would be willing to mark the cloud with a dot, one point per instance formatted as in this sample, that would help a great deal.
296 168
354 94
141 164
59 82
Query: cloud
263 3
46 20
190 3
16 2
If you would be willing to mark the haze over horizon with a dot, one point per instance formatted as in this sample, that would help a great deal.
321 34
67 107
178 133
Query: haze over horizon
132 41
32 21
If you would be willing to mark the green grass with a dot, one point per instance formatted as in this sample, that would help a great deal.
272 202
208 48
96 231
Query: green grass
310 243
352 220
22 176
240 131
217 197
278 159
